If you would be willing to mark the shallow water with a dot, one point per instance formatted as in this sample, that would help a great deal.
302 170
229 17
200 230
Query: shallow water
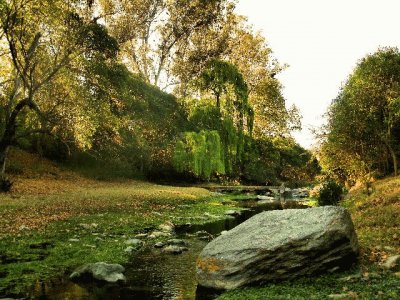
152 274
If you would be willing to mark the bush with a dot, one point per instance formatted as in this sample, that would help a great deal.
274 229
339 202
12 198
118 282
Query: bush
5 184
330 193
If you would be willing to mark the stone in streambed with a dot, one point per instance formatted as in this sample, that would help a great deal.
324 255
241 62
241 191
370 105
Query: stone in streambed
279 245
158 234
167 227
172 249
177 242
99 271
134 243
391 262
159 245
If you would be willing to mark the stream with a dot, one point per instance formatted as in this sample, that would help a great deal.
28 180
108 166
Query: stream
152 274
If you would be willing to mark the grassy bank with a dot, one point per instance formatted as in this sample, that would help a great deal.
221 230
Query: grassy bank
54 221
377 221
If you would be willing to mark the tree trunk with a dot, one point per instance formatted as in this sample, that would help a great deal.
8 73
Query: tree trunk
3 160
394 159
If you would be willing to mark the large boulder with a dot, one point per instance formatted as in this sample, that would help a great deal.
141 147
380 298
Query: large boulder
99 271
279 245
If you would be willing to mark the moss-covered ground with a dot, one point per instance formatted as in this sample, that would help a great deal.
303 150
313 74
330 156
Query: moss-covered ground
53 221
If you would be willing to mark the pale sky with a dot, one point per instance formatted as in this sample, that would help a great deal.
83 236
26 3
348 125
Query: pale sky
321 40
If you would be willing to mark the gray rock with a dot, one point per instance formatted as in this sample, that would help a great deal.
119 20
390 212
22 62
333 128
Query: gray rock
100 271
134 242
167 227
351 278
130 249
278 245
177 242
159 245
141 235
172 249
391 262
261 197
157 234
232 212
339 296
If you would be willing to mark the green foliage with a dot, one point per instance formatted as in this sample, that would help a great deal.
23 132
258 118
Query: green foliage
207 117
260 161
295 163
200 154
330 193
363 127
219 75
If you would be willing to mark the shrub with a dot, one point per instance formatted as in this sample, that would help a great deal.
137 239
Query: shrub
5 184
330 193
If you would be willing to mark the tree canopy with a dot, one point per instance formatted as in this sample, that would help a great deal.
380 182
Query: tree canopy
90 79
363 121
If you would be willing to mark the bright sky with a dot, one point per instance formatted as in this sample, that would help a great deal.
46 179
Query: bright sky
321 40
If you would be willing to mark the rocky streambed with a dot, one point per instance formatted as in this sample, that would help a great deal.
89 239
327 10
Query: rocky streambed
163 261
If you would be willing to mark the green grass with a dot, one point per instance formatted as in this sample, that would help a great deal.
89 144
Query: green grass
381 286
102 218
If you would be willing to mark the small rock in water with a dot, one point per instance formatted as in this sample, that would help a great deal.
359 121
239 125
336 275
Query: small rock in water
177 242
172 249
157 234
267 201
339 296
391 262
167 227
141 235
351 278
261 197
100 271
232 212
159 245
134 242
130 249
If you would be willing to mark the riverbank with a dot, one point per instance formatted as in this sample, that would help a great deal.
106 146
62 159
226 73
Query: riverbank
376 219
53 221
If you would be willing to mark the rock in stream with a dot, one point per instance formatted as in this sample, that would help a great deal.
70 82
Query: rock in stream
99 271
279 245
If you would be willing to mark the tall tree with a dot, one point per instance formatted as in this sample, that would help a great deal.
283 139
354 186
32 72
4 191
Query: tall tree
235 41
42 42
364 120
152 33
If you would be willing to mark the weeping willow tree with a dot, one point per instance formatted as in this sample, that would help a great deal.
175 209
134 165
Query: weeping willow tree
200 154
225 82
